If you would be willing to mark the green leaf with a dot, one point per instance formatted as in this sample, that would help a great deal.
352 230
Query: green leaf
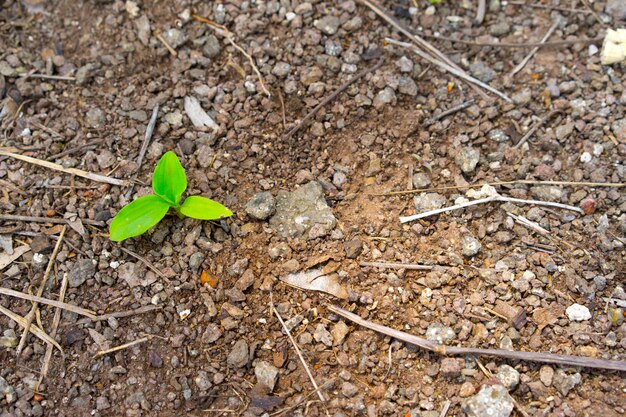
137 217
204 208
169 180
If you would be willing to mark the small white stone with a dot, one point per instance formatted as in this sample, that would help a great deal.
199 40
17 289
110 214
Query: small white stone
593 50
586 157
597 149
114 264
290 16
577 312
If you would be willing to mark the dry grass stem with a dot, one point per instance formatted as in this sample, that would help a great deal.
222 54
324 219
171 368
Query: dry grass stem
78 310
71 171
33 329
121 347
397 265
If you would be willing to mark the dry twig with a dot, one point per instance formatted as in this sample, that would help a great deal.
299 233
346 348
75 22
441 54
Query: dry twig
121 347
69 307
568 360
528 182
161 39
535 127
516 45
448 68
146 141
55 220
332 96
454 109
31 314
146 262
406 219
297 349
397 265
55 325
33 328
522 64
480 12
71 171
223 30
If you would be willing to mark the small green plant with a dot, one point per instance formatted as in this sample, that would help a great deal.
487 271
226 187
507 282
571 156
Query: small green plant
169 182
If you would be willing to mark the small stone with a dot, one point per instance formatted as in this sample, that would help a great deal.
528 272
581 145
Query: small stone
174 37
105 159
588 205
523 97
508 376
586 157
332 48
339 333
564 383
450 368
421 180
498 135
202 381
261 206
546 373
96 118
500 28
281 69
467 389
353 248
339 179
577 312
467 159
212 47
80 272
428 201
40 244
143 29
154 359
266 374
298 211
470 246
212 333
246 280
238 356
174 118
436 332
323 335
196 260
491 400
7 391
482 72
562 132
407 86
328 24
384 97
349 390
404 64
616 9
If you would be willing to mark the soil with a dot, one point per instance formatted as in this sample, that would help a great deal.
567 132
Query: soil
213 347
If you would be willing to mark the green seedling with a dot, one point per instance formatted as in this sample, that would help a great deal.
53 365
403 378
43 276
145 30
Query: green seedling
169 182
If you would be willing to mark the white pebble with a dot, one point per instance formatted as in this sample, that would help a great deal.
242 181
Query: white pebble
585 157
597 149
290 16
577 312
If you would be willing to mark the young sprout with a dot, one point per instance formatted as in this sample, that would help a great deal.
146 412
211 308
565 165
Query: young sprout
169 182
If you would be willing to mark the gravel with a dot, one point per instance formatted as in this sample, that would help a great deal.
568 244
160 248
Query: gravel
491 400
261 206
81 272
578 312
238 356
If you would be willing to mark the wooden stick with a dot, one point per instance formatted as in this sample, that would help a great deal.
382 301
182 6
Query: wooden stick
568 360
167 45
332 96
55 325
55 220
120 347
223 30
522 64
33 328
49 77
406 219
447 68
397 265
528 182
297 349
31 314
516 45
74 309
454 109
535 127
480 12
144 147
71 171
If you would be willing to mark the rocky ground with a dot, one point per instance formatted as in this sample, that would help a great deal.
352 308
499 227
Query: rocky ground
309 205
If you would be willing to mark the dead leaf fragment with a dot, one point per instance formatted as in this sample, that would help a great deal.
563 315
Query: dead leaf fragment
6 259
314 279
